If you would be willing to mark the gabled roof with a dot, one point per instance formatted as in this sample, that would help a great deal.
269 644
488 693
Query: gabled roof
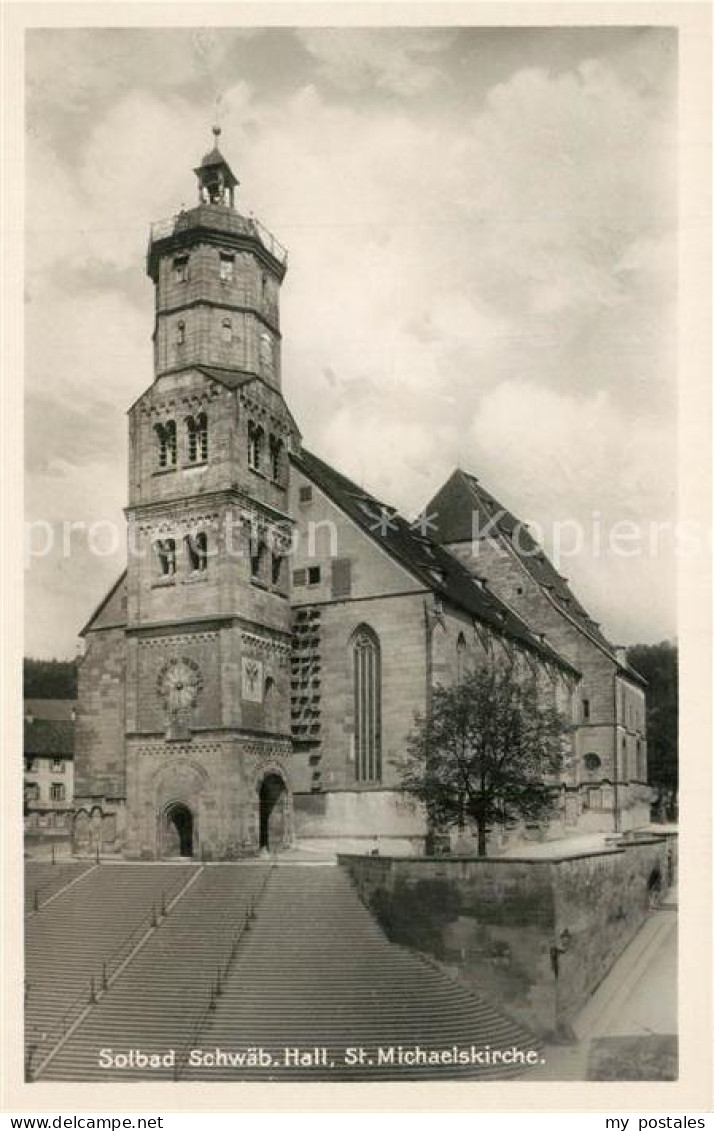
463 506
430 563
54 709
48 737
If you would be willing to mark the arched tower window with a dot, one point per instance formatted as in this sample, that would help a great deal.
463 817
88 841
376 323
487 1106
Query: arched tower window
227 330
197 437
367 685
276 458
180 333
202 435
166 553
197 549
257 555
277 561
166 440
255 445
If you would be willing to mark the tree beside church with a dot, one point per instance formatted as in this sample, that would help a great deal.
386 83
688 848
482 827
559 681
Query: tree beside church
490 753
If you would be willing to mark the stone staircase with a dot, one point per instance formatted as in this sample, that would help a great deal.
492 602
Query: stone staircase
158 1001
249 957
72 941
316 971
44 880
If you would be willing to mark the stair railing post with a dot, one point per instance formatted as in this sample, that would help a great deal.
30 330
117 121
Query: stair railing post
92 991
35 901
105 980
154 921
163 904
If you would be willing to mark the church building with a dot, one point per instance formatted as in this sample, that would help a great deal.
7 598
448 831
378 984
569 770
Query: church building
250 678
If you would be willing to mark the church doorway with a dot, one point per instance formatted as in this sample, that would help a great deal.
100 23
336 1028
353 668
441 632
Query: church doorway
273 811
177 832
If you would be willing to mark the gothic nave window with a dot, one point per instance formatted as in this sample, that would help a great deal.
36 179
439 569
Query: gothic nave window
367 680
255 445
166 553
166 439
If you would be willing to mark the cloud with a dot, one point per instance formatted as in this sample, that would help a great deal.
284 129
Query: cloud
395 60
577 466
459 269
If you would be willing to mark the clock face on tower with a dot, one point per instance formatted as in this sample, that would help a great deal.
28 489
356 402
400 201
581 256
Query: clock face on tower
179 684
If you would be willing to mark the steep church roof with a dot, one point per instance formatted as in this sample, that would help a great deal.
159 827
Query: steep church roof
462 499
424 558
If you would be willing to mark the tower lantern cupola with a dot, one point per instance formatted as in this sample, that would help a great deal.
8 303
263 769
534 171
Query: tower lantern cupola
216 182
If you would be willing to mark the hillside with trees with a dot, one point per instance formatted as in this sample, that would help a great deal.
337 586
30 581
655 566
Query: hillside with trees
49 679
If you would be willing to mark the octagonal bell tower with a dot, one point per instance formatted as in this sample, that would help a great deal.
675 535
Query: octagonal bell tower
217 277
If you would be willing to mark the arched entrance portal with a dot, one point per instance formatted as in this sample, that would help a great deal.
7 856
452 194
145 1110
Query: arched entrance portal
273 811
177 833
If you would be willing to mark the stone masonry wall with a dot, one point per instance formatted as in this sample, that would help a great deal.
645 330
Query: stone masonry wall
494 922
99 731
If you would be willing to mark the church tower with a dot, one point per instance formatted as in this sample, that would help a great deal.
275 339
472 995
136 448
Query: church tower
207 708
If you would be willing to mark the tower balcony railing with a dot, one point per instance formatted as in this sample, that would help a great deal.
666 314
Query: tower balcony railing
221 218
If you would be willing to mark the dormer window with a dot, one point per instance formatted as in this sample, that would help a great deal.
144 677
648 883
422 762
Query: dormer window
226 267
255 445
166 438
181 269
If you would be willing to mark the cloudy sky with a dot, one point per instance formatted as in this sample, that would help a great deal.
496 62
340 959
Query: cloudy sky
481 227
